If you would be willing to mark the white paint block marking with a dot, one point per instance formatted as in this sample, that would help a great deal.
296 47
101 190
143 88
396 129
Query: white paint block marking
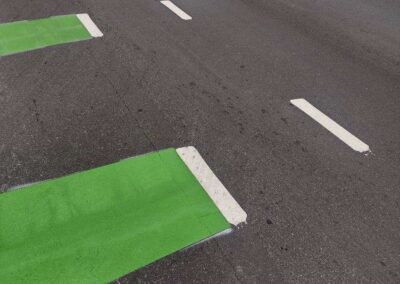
228 206
176 10
337 130
89 25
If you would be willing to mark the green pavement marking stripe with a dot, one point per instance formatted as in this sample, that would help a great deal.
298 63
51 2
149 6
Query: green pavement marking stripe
97 225
23 36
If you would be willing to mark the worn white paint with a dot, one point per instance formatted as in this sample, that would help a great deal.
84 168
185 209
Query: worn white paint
220 234
337 130
89 25
178 11
228 206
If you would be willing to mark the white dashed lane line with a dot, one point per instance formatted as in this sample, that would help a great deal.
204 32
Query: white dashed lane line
176 10
337 130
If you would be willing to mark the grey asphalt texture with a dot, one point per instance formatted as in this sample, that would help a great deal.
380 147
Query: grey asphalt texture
318 212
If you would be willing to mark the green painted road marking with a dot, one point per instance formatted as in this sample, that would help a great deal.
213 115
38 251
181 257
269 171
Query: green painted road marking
29 35
97 225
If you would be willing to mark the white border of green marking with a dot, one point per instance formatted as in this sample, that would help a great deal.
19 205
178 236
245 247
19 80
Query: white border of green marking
89 25
228 206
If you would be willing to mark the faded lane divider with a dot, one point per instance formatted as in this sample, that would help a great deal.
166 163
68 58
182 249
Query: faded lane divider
98 225
23 36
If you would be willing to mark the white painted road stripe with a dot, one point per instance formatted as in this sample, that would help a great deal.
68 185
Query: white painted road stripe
89 25
176 10
228 206
348 138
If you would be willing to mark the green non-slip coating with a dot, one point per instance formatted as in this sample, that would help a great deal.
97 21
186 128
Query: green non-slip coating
97 225
28 35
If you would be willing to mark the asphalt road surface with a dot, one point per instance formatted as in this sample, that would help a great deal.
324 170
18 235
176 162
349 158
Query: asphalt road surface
318 211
